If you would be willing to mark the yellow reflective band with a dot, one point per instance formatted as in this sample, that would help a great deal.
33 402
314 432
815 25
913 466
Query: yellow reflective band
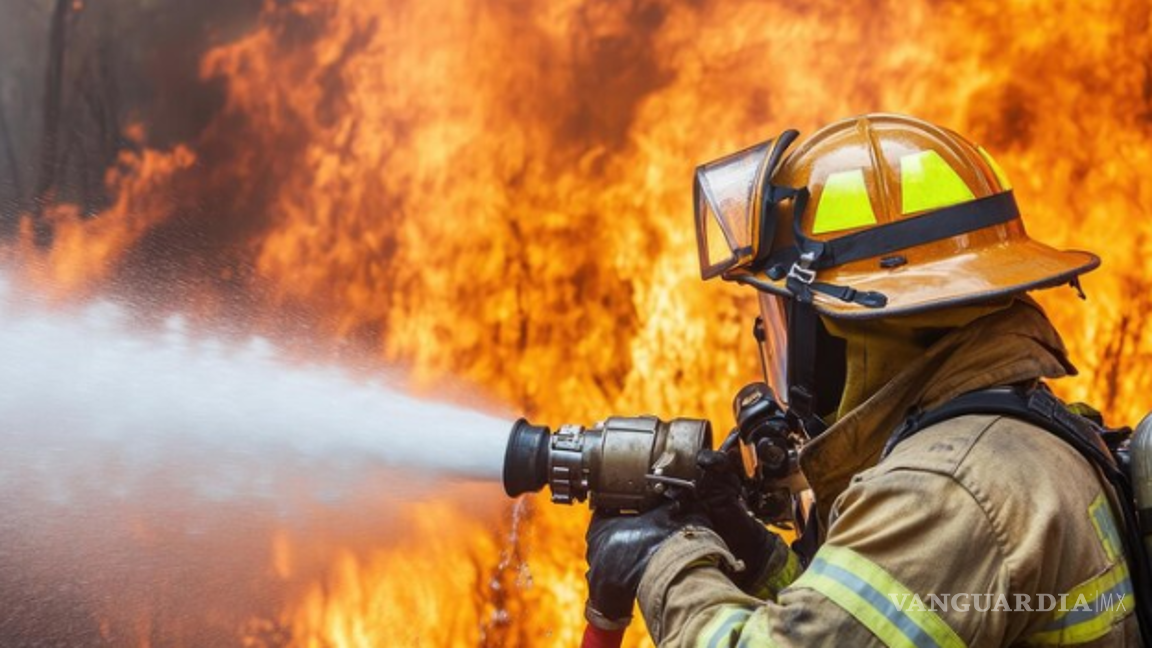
1001 177
1101 516
844 203
724 629
779 579
927 182
868 593
1089 611
756 633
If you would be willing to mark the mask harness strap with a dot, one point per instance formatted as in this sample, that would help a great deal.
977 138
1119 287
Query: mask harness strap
803 320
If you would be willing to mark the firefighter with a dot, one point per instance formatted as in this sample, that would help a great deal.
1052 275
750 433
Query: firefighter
892 270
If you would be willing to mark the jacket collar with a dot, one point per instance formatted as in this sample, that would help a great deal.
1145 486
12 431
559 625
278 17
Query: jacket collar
1011 346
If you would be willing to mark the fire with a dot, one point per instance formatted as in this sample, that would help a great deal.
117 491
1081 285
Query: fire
499 192
84 251
371 600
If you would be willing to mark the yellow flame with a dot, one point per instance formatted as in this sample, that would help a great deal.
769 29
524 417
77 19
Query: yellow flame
500 192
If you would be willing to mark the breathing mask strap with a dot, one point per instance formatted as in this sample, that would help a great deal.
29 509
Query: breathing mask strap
803 328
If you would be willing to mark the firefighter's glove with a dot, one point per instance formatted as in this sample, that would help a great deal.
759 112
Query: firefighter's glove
619 548
719 492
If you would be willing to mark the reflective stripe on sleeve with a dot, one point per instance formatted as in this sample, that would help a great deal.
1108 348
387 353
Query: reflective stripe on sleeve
784 576
1089 611
1101 515
868 593
724 628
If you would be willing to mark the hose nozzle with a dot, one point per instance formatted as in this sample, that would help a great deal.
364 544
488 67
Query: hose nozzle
526 458
624 463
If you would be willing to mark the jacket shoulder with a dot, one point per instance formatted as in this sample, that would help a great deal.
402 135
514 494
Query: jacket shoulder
941 448
1000 502
1014 469
989 447
1037 493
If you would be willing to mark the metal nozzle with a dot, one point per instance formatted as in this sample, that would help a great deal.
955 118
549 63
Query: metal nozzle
622 463
526 459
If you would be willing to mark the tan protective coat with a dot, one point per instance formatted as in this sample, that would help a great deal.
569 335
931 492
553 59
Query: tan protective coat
974 505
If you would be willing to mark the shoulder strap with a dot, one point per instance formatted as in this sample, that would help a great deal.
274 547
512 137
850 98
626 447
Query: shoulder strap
1036 406
1039 407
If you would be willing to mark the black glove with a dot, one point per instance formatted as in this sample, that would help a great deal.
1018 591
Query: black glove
719 492
619 548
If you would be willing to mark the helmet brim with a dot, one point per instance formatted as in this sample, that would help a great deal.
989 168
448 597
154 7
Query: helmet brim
976 275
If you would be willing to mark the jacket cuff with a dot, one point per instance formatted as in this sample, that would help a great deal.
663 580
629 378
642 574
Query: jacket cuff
691 547
779 571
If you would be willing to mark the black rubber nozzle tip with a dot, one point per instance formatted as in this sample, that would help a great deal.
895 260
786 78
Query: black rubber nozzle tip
526 459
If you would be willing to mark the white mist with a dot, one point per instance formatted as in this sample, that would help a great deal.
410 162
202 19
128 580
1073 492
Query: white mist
146 475
83 379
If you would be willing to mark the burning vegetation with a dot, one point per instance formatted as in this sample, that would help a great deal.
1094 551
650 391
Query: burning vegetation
498 192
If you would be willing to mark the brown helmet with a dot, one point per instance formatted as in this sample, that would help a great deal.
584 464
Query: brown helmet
897 216
870 217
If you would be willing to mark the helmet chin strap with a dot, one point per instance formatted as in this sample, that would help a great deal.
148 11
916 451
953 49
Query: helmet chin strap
803 327
803 323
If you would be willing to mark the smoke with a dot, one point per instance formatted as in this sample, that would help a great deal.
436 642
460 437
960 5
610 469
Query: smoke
150 482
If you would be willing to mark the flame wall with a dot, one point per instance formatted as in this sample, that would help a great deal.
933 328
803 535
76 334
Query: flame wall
499 191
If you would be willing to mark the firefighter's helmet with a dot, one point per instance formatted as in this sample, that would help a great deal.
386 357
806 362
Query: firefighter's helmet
896 216
874 216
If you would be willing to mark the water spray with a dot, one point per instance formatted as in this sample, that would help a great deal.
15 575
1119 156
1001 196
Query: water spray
186 471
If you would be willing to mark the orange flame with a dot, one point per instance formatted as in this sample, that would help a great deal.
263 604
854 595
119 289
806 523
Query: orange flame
84 251
499 192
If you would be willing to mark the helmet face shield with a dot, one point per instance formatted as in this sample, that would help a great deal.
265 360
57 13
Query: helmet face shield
725 193
728 200
772 338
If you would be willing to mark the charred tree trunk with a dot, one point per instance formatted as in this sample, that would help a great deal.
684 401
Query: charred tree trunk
53 102
10 211
100 112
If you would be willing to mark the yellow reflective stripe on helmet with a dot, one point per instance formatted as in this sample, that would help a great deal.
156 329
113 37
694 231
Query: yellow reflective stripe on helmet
928 182
1001 177
844 203
1101 515
868 593
784 576
1089 611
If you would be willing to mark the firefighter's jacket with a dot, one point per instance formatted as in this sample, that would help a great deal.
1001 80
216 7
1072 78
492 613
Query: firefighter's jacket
942 543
